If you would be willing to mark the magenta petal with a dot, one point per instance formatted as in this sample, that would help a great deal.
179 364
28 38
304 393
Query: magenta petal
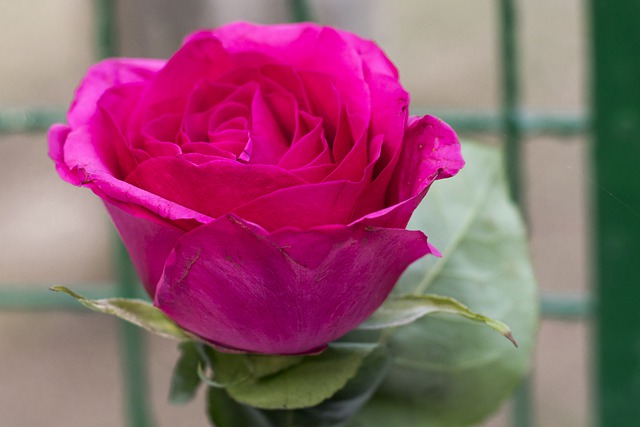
304 206
57 137
90 170
167 92
269 143
372 56
148 242
104 75
235 285
431 151
214 188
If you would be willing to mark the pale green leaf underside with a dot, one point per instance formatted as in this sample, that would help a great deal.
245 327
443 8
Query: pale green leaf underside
447 371
398 311
138 312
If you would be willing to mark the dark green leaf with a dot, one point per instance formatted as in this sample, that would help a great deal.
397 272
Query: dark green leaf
333 412
307 383
268 365
226 412
138 312
338 409
185 380
447 371
226 369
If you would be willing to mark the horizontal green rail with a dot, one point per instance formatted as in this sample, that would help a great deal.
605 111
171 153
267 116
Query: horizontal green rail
34 297
14 120
39 297
561 123
567 306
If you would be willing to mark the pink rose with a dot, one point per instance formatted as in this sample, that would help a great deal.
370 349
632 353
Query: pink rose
261 179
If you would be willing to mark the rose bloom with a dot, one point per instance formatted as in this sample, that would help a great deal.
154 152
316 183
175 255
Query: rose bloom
261 179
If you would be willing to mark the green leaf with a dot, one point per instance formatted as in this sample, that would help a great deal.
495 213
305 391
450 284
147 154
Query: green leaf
185 379
306 383
223 411
338 409
263 365
398 311
333 412
138 312
447 371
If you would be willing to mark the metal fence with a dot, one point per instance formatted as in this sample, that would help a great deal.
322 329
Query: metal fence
614 128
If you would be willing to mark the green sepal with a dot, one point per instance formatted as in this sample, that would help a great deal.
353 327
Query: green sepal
336 411
185 379
140 313
398 311
223 411
285 382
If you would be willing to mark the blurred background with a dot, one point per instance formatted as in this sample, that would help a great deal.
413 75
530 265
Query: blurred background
60 368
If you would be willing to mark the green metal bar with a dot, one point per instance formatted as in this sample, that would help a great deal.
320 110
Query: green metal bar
510 97
13 120
562 124
136 390
522 410
38 119
615 25
300 11
133 349
106 43
567 307
39 297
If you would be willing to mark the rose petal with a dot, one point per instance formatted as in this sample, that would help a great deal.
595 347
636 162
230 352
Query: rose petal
214 188
373 58
148 241
236 286
167 92
311 147
57 137
304 206
431 151
91 170
389 117
268 142
163 129
104 75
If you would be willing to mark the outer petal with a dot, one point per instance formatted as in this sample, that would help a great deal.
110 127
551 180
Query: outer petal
149 244
57 137
90 168
306 47
373 57
431 151
288 293
104 75
214 188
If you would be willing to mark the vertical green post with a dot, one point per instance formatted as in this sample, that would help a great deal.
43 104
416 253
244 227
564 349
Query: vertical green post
133 349
105 22
512 133
134 369
511 97
615 27
300 10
